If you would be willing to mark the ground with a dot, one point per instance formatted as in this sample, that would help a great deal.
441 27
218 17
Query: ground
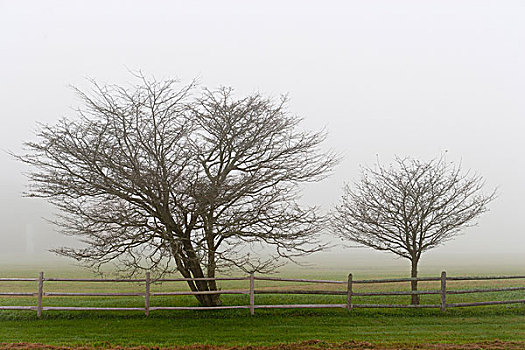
488 327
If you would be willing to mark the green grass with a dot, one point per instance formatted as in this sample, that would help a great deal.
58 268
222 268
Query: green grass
237 327
266 327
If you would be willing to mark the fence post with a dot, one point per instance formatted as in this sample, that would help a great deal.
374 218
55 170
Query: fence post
40 294
443 291
349 293
252 294
146 294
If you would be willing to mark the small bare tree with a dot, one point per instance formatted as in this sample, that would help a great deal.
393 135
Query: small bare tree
410 208
154 178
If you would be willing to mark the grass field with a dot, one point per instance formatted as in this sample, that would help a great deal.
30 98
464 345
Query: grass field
266 327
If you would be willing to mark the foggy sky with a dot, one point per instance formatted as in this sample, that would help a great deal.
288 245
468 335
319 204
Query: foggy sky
412 78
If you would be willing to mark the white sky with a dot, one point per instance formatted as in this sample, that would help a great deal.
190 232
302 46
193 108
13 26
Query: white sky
388 77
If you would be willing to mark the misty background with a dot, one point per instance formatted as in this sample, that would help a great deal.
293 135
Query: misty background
384 78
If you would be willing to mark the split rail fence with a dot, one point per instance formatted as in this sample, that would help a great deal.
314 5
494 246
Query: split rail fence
251 292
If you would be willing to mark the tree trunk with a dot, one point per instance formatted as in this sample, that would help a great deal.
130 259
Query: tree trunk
192 268
210 272
413 284
201 286
194 285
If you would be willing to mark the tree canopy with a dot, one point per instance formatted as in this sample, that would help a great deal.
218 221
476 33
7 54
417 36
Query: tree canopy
157 176
410 207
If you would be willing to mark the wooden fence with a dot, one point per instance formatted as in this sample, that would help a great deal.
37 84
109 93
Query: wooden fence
251 292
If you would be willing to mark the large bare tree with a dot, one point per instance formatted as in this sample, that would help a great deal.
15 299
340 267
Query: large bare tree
410 207
151 177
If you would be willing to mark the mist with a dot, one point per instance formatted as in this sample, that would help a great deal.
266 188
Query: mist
383 78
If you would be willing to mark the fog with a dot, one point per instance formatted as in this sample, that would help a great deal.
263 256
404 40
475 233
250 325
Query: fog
384 78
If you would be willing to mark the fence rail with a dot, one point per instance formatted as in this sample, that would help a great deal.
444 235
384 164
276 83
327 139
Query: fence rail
251 292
